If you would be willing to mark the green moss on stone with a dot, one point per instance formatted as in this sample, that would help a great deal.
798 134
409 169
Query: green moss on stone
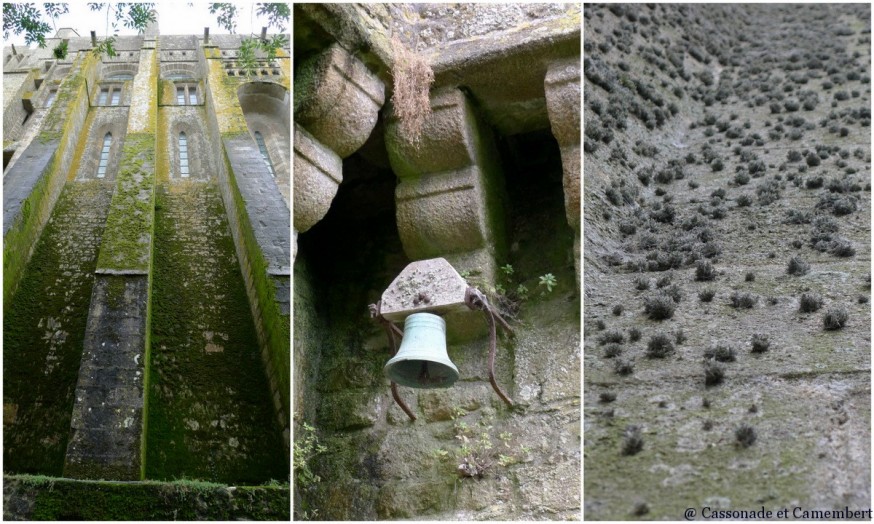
65 499
210 413
127 237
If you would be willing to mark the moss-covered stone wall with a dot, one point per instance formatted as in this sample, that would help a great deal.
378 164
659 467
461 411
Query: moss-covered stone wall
210 414
377 463
61 128
44 328
46 498
267 287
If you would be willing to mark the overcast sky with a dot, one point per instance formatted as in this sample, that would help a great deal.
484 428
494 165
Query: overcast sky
174 18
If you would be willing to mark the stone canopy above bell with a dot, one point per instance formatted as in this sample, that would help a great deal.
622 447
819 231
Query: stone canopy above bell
431 285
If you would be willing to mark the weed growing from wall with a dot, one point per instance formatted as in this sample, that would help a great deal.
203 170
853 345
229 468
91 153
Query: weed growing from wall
412 85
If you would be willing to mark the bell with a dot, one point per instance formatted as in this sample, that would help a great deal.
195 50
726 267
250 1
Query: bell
422 361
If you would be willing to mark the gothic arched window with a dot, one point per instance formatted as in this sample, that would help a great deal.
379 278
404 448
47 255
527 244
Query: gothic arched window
183 155
263 148
104 156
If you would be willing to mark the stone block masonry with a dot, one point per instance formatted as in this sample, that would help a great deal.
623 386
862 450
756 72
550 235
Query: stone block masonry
107 416
210 413
107 443
41 365
34 193
259 222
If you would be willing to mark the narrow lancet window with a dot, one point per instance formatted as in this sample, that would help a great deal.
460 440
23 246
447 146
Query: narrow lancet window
183 155
263 149
104 156
180 96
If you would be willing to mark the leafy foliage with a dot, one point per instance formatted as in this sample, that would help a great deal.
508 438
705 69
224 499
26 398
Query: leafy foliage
277 15
139 16
306 447
227 15
27 19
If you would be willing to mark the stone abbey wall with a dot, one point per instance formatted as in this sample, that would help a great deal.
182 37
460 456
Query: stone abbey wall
161 300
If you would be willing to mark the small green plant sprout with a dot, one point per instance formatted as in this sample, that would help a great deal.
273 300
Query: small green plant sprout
60 52
522 291
440 453
464 274
548 281
507 270
507 460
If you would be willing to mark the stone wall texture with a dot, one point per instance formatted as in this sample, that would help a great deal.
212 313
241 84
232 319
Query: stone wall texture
480 187
147 329
727 158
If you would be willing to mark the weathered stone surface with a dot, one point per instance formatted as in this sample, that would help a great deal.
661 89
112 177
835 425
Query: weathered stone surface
267 211
441 213
556 491
107 421
426 285
450 201
318 172
19 181
361 409
570 162
337 99
441 405
562 86
448 139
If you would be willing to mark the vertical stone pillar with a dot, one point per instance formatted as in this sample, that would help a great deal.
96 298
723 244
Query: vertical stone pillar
337 101
108 423
563 103
451 196
450 200
259 220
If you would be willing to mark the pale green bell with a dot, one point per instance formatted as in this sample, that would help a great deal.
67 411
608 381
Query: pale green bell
422 361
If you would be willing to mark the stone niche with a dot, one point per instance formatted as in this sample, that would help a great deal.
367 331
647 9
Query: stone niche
267 108
484 190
